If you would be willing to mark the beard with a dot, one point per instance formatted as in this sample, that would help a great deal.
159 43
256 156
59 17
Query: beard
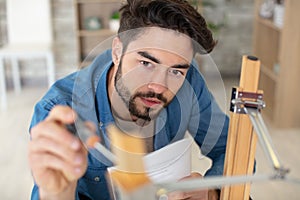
141 112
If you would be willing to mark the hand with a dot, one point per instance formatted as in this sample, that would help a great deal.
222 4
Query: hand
56 157
194 194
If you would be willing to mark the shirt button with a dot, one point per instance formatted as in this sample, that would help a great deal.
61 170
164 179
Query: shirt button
97 179
100 124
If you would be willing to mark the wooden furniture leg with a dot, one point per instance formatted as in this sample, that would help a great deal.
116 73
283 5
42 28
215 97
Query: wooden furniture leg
241 142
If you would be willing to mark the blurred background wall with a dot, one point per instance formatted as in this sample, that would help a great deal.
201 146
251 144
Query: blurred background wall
231 20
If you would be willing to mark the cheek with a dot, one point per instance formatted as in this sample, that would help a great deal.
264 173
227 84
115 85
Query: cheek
174 85
169 96
136 78
128 64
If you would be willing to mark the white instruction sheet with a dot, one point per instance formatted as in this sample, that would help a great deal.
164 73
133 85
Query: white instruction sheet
169 163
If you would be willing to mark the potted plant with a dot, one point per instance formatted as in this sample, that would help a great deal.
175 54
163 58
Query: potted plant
92 23
114 22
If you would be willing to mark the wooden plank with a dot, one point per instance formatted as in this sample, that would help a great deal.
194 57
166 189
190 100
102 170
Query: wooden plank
129 174
241 143
249 74
230 150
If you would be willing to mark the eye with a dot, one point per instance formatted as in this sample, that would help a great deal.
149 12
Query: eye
175 72
146 63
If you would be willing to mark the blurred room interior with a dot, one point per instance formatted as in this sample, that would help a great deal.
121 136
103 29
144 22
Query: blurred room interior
47 40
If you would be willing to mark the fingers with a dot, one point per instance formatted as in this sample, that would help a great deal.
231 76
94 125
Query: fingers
178 195
192 176
47 162
48 146
53 150
195 194
56 132
63 114
47 154
214 194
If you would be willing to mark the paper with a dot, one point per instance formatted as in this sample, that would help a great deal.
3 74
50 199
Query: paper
170 163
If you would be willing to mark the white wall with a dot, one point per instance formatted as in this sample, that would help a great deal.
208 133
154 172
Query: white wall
29 21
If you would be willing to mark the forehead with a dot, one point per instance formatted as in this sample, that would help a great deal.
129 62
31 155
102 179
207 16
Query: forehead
166 40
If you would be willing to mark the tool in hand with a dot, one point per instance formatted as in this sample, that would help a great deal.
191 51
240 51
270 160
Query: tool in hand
90 139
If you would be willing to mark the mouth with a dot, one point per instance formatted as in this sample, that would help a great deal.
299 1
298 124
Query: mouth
150 102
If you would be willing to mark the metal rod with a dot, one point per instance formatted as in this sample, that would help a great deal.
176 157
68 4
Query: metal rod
212 182
264 136
84 133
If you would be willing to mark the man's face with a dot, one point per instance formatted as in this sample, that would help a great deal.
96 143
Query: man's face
152 70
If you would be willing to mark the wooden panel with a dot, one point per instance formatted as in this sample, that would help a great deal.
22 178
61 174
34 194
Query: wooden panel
282 46
89 46
267 45
241 143
270 89
288 113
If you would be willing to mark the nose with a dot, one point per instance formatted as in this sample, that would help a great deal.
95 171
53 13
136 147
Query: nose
157 88
158 82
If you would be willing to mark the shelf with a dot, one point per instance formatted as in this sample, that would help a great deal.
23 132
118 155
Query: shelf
279 46
88 41
268 72
268 23
102 32
266 45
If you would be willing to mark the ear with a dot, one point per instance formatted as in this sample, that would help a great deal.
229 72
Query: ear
117 49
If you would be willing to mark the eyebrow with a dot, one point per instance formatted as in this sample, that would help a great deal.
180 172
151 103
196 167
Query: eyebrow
184 66
156 60
150 57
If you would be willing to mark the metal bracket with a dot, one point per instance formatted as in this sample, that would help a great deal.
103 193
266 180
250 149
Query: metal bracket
240 100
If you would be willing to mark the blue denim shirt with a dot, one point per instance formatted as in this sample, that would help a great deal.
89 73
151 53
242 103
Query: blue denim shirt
193 109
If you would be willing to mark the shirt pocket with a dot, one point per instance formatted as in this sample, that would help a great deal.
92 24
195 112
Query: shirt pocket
93 184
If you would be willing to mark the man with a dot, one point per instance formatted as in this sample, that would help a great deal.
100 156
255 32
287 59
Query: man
148 81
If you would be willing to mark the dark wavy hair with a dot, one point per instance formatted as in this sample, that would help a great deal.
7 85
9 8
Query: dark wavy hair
177 15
